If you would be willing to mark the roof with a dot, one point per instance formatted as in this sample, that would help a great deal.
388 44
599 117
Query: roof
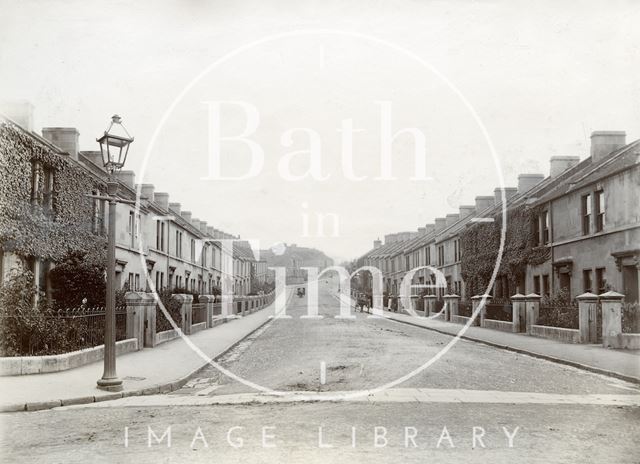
242 249
584 173
619 160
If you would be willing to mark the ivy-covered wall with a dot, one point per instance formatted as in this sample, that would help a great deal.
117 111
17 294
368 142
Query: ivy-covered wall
26 229
480 244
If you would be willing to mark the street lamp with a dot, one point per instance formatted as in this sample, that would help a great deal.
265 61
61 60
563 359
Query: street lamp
114 146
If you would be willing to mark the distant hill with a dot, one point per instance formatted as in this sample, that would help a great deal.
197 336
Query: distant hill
293 257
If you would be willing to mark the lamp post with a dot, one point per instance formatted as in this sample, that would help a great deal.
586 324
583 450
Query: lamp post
114 146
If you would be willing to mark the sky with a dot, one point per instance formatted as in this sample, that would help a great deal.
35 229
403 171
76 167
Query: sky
495 88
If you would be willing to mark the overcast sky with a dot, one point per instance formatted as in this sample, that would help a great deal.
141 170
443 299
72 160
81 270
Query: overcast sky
540 76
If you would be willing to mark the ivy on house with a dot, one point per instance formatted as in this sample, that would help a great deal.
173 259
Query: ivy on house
480 245
28 229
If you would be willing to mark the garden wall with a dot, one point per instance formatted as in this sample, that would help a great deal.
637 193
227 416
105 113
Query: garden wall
198 327
628 341
556 333
165 336
23 365
498 325
460 319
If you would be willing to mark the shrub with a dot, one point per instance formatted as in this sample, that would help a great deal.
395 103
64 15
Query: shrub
173 308
77 277
26 328
631 318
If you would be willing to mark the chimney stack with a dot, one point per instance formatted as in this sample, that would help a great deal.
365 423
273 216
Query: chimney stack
94 157
452 219
508 193
440 224
604 142
186 215
146 191
527 181
203 227
211 231
128 178
195 223
377 243
162 200
429 228
175 207
65 138
20 112
559 164
422 230
484 202
466 210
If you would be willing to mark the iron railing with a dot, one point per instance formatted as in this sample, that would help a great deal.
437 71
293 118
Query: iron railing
499 310
85 326
563 315
465 308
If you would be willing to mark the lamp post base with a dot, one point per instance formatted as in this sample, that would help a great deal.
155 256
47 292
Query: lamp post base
112 385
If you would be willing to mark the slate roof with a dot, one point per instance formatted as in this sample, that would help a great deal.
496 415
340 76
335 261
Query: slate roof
584 173
242 249
620 160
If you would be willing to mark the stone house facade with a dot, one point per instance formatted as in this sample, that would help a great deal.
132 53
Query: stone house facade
160 240
588 225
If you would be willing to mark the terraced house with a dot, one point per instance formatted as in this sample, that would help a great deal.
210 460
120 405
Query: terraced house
46 214
576 230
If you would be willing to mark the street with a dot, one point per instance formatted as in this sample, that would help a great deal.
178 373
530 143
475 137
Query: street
475 404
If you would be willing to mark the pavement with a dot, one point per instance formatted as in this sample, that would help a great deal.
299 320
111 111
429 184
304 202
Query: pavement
161 369
622 364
